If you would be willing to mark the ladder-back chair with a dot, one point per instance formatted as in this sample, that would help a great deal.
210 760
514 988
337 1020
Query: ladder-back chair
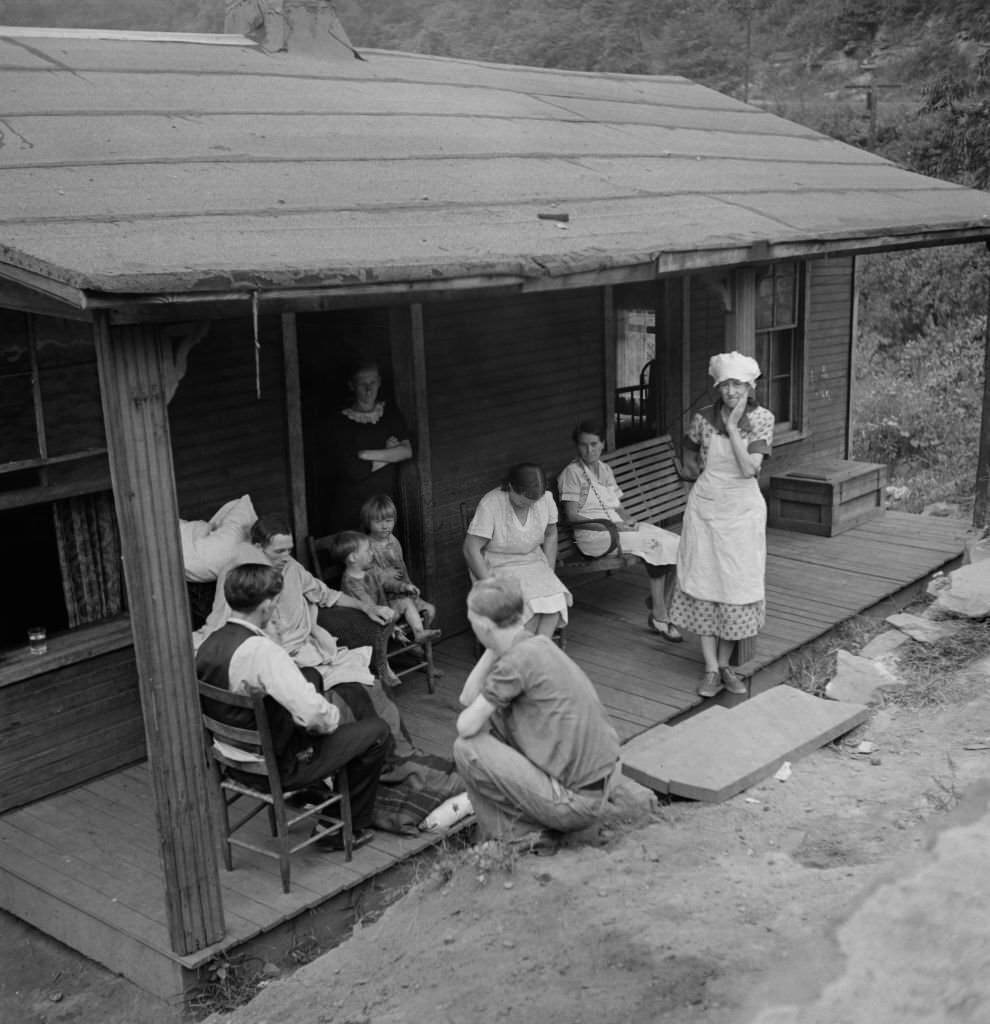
403 658
239 755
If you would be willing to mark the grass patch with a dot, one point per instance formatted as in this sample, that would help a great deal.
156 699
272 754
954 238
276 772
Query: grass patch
228 982
933 673
813 665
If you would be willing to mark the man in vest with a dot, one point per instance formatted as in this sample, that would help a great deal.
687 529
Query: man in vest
310 742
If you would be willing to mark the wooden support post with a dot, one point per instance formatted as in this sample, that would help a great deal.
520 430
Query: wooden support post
408 350
294 431
609 370
687 398
980 505
740 319
133 387
853 331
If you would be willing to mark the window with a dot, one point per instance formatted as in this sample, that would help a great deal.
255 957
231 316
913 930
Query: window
55 504
635 361
779 342
49 394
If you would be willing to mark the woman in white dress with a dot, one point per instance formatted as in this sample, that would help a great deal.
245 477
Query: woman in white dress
588 491
722 559
514 533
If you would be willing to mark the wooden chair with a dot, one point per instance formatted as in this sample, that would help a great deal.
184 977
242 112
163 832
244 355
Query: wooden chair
238 754
407 657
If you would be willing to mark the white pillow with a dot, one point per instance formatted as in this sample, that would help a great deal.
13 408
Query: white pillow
208 547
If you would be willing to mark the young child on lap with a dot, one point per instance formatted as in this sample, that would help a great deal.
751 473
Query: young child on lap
403 596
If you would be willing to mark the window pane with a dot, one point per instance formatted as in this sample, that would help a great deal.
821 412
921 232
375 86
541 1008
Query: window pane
784 311
19 437
782 353
780 399
70 388
764 301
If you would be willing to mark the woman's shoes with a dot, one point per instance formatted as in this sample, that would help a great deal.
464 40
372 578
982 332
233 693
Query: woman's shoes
711 683
732 681
665 630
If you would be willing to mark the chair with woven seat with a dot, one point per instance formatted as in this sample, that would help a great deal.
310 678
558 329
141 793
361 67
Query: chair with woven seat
403 657
244 767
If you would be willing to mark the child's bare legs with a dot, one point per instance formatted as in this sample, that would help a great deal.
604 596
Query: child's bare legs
406 607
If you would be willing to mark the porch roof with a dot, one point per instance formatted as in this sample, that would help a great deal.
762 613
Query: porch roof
165 166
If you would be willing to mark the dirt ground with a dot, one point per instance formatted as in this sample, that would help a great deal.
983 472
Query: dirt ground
691 913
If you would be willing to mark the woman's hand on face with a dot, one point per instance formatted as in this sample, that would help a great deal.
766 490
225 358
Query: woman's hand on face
737 412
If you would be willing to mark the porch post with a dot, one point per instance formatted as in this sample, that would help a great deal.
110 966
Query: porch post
609 370
132 382
294 431
983 456
740 318
407 342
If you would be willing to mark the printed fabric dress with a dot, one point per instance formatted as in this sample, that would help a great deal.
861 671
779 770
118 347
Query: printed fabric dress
515 549
721 562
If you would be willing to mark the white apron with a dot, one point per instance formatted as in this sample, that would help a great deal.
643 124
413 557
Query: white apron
723 551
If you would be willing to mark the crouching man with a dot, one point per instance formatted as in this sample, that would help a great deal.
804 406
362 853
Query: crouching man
534 745
310 743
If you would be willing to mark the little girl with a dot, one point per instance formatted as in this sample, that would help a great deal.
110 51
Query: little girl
403 597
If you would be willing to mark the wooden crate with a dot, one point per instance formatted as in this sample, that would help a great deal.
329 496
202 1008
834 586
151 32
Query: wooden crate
827 496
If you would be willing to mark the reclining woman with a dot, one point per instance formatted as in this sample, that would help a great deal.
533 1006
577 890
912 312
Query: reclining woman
514 533
591 499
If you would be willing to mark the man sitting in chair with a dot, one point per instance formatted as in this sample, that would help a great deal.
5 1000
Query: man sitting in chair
302 619
534 745
310 743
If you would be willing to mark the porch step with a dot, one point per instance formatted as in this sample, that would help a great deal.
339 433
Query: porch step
722 751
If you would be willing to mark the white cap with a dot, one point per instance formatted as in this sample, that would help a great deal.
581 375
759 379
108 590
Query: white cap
733 366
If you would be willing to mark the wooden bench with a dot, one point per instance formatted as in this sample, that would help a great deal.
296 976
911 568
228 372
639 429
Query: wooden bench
648 473
653 491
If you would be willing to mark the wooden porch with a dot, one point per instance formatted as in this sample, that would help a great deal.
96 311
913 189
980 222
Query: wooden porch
84 866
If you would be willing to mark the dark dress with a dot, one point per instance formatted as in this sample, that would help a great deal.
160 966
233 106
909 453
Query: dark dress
354 480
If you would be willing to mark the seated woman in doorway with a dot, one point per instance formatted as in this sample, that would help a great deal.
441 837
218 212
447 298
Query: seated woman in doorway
588 491
367 442
722 559
514 533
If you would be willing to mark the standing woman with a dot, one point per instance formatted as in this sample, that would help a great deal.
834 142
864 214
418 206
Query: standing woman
514 533
721 561
368 440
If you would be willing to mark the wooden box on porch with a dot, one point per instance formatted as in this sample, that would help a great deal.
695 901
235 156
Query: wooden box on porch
827 496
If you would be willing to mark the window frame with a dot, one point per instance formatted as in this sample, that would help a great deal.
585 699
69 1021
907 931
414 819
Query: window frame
791 427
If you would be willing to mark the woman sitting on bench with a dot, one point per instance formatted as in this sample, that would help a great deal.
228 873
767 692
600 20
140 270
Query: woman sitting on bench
588 492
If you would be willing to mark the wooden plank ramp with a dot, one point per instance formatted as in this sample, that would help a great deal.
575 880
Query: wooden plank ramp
722 751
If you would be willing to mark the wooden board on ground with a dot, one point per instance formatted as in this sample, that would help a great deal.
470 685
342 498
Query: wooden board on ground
721 752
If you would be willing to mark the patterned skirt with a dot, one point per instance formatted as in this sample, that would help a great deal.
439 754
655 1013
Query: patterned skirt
712 618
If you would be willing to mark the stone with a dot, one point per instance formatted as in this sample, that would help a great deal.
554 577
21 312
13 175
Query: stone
883 644
924 630
857 680
968 593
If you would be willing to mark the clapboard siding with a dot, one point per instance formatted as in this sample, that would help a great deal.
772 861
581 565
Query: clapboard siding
65 727
225 440
507 380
